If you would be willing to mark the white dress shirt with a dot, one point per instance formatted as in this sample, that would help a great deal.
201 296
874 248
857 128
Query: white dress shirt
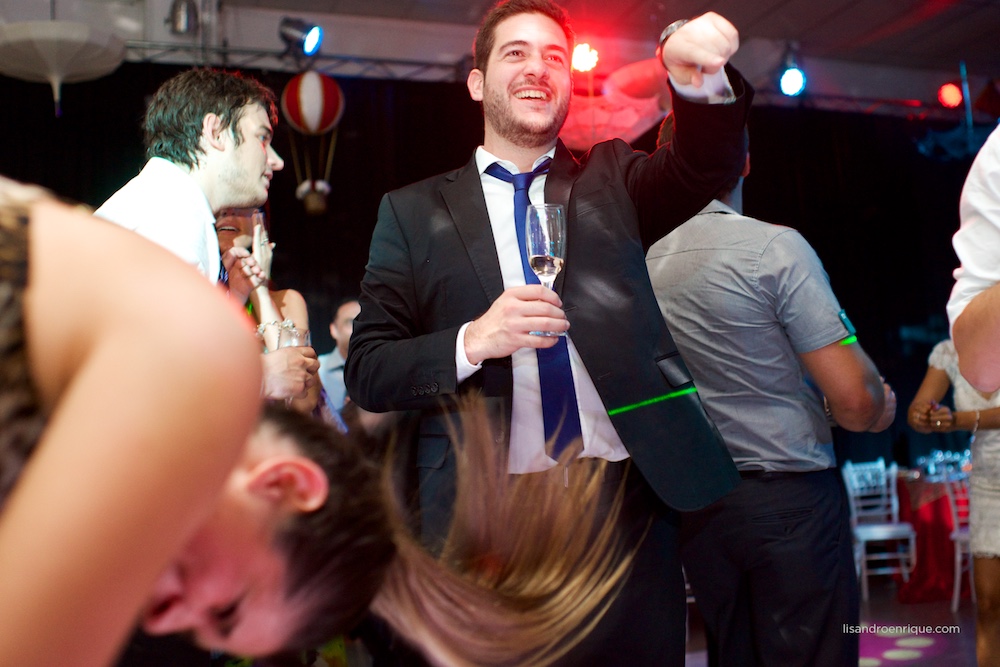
164 204
977 242
527 431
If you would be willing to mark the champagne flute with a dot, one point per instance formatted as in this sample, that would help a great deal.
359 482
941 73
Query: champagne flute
293 337
545 246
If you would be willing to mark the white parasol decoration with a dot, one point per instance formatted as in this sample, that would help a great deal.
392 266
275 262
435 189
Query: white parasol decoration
57 52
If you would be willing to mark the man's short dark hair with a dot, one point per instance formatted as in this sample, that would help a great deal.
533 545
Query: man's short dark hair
174 117
503 10
340 303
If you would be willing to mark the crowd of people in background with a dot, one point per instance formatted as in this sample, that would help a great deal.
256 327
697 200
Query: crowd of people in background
448 483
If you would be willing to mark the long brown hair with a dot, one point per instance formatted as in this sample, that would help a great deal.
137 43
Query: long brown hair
529 566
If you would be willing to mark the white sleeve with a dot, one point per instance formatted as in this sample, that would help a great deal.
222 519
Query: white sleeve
977 242
715 89
464 368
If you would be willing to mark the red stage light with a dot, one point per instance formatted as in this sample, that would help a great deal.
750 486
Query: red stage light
584 58
950 95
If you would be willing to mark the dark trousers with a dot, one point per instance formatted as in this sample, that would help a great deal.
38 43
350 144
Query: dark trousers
645 625
772 571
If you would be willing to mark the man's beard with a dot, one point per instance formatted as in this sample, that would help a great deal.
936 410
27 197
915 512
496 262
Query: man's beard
241 188
498 111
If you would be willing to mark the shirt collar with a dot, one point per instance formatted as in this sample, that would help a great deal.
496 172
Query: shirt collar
484 159
716 206
174 176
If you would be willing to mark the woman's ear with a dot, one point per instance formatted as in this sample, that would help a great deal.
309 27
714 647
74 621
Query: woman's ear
292 481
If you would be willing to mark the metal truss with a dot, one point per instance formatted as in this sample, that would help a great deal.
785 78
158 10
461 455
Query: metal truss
334 65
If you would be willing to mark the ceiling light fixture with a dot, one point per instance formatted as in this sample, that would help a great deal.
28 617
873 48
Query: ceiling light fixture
183 19
303 38
792 80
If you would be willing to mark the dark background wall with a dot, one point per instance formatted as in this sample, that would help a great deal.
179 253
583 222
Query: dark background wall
879 213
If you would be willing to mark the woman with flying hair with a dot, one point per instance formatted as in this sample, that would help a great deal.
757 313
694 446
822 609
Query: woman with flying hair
137 482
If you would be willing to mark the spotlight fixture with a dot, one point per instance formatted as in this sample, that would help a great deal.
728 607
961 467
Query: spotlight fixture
792 80
303 38
183 19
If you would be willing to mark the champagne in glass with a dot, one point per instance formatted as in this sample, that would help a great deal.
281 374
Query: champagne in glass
293 337
546 267
545 245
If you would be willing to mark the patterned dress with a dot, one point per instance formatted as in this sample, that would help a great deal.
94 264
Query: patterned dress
21 419
984 503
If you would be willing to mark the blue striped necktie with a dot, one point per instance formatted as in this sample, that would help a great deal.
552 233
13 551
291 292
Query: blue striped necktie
560 413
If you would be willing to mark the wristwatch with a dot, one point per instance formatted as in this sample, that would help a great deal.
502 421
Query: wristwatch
665 35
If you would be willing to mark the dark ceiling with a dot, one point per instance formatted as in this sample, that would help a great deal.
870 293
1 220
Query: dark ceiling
921 34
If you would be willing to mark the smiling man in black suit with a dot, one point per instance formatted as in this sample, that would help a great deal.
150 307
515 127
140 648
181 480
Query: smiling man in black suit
447 308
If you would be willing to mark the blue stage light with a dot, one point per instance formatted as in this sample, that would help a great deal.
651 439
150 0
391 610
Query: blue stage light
303 38
791 80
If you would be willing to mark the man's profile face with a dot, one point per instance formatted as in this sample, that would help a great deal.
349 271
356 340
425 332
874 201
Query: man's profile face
246 175
527 85
343 325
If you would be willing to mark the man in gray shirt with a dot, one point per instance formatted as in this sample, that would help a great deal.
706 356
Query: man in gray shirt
772 354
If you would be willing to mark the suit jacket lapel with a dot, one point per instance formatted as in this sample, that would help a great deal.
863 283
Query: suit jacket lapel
464 198
558 188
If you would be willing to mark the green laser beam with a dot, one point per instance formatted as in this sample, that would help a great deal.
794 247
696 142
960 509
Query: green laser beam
849 340
650 401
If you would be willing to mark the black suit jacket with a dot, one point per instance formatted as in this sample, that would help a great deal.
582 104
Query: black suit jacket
433 266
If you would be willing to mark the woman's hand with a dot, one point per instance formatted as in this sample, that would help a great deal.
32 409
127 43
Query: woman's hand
942 419
918 416
245 274
262 248
931 417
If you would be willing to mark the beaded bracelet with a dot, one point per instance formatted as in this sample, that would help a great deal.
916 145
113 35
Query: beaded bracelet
287 324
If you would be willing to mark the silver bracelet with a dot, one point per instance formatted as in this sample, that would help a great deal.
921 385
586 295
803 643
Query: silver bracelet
665 35
975 427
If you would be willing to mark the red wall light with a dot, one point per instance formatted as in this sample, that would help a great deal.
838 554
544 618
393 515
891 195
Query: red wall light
950 95
584 58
